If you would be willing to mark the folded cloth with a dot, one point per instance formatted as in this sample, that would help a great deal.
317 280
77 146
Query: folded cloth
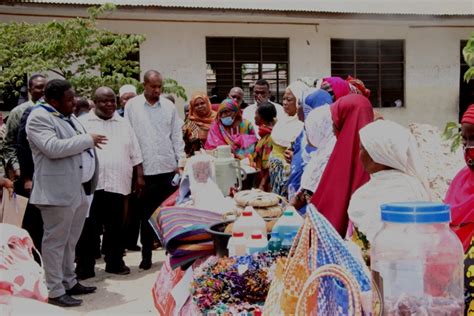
182 231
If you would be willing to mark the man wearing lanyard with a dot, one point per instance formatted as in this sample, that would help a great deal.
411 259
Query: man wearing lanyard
65 171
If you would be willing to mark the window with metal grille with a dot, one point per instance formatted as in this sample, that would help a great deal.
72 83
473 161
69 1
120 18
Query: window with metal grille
240 61
380 64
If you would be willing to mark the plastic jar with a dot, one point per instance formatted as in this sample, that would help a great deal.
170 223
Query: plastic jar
417 262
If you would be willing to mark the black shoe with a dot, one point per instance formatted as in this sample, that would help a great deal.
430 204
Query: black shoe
64 301
134 248
145 264
80 289
123 270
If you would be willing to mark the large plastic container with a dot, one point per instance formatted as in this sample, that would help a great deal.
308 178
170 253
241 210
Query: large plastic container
289 222
249 222
257 243
417 262
237 244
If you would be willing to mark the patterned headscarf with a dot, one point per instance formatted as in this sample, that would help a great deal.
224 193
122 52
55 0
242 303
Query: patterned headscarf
358 87
230 104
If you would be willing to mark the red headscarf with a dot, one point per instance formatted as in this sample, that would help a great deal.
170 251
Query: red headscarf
460 196
344 172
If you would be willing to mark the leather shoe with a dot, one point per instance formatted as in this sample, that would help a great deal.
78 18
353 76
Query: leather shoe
145 264
123 270
80 289
64 301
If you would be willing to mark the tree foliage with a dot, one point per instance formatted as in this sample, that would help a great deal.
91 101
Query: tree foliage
468 54
452 130
74 49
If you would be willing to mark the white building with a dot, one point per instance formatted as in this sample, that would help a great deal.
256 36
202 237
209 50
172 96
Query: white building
407 52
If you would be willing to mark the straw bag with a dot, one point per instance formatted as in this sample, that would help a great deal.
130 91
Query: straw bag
312 292
317 244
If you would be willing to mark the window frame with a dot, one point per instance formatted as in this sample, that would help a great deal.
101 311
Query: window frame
260 62
379 64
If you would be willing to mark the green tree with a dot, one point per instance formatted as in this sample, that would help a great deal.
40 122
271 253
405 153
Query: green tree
452 129
76 50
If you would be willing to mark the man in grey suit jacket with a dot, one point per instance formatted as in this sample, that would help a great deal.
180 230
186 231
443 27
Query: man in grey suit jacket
65 171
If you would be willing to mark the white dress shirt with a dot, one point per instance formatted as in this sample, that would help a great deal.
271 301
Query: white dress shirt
118 157
249 114
158 129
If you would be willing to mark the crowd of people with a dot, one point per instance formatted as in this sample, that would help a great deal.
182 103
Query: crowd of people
95 168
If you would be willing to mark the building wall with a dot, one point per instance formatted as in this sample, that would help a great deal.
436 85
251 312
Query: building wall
432 68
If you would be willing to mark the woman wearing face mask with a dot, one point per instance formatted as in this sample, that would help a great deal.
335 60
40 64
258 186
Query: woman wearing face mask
198 122
230 129
460 197
461 191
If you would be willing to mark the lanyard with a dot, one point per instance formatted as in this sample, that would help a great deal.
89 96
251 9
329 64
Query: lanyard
54 112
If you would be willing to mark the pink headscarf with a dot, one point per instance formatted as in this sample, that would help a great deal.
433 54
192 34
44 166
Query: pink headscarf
344 172
339 86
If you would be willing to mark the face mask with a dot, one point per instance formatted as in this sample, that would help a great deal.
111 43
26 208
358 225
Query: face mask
227 121
469 156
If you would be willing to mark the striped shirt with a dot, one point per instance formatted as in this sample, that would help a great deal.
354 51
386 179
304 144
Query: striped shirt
158 129
118 157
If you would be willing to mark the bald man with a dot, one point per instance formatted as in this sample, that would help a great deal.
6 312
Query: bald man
119 159
157 125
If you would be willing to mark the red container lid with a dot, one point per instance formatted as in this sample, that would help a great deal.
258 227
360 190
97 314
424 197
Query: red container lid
256 236
237 234
246 213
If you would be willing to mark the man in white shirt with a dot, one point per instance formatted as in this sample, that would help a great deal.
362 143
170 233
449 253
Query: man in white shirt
118 161
158 128
261 92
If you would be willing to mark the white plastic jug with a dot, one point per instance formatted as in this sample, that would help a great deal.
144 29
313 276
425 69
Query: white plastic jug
257 243
249 222
237 245
289 222
228 170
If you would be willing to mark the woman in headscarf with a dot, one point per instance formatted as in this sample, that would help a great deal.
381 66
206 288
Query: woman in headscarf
344 173
319 132
336 87
460 197
283 136
389 153
198 123
265 118
302 150
231 129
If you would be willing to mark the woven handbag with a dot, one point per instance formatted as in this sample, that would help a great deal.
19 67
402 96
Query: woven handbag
317 244
315 288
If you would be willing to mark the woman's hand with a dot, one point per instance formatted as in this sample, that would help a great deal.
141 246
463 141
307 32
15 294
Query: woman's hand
288 155
8 184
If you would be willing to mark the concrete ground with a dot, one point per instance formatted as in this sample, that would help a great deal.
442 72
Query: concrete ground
129 294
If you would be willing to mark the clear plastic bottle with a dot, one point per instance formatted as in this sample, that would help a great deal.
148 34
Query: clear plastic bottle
257 243
289 222
249 222
286 242
417 262
274 244
237 244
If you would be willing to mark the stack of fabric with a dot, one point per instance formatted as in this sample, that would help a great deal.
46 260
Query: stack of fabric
182 231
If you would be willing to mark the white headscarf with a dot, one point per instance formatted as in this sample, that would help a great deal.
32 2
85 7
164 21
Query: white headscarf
320 134
392 145
288 128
